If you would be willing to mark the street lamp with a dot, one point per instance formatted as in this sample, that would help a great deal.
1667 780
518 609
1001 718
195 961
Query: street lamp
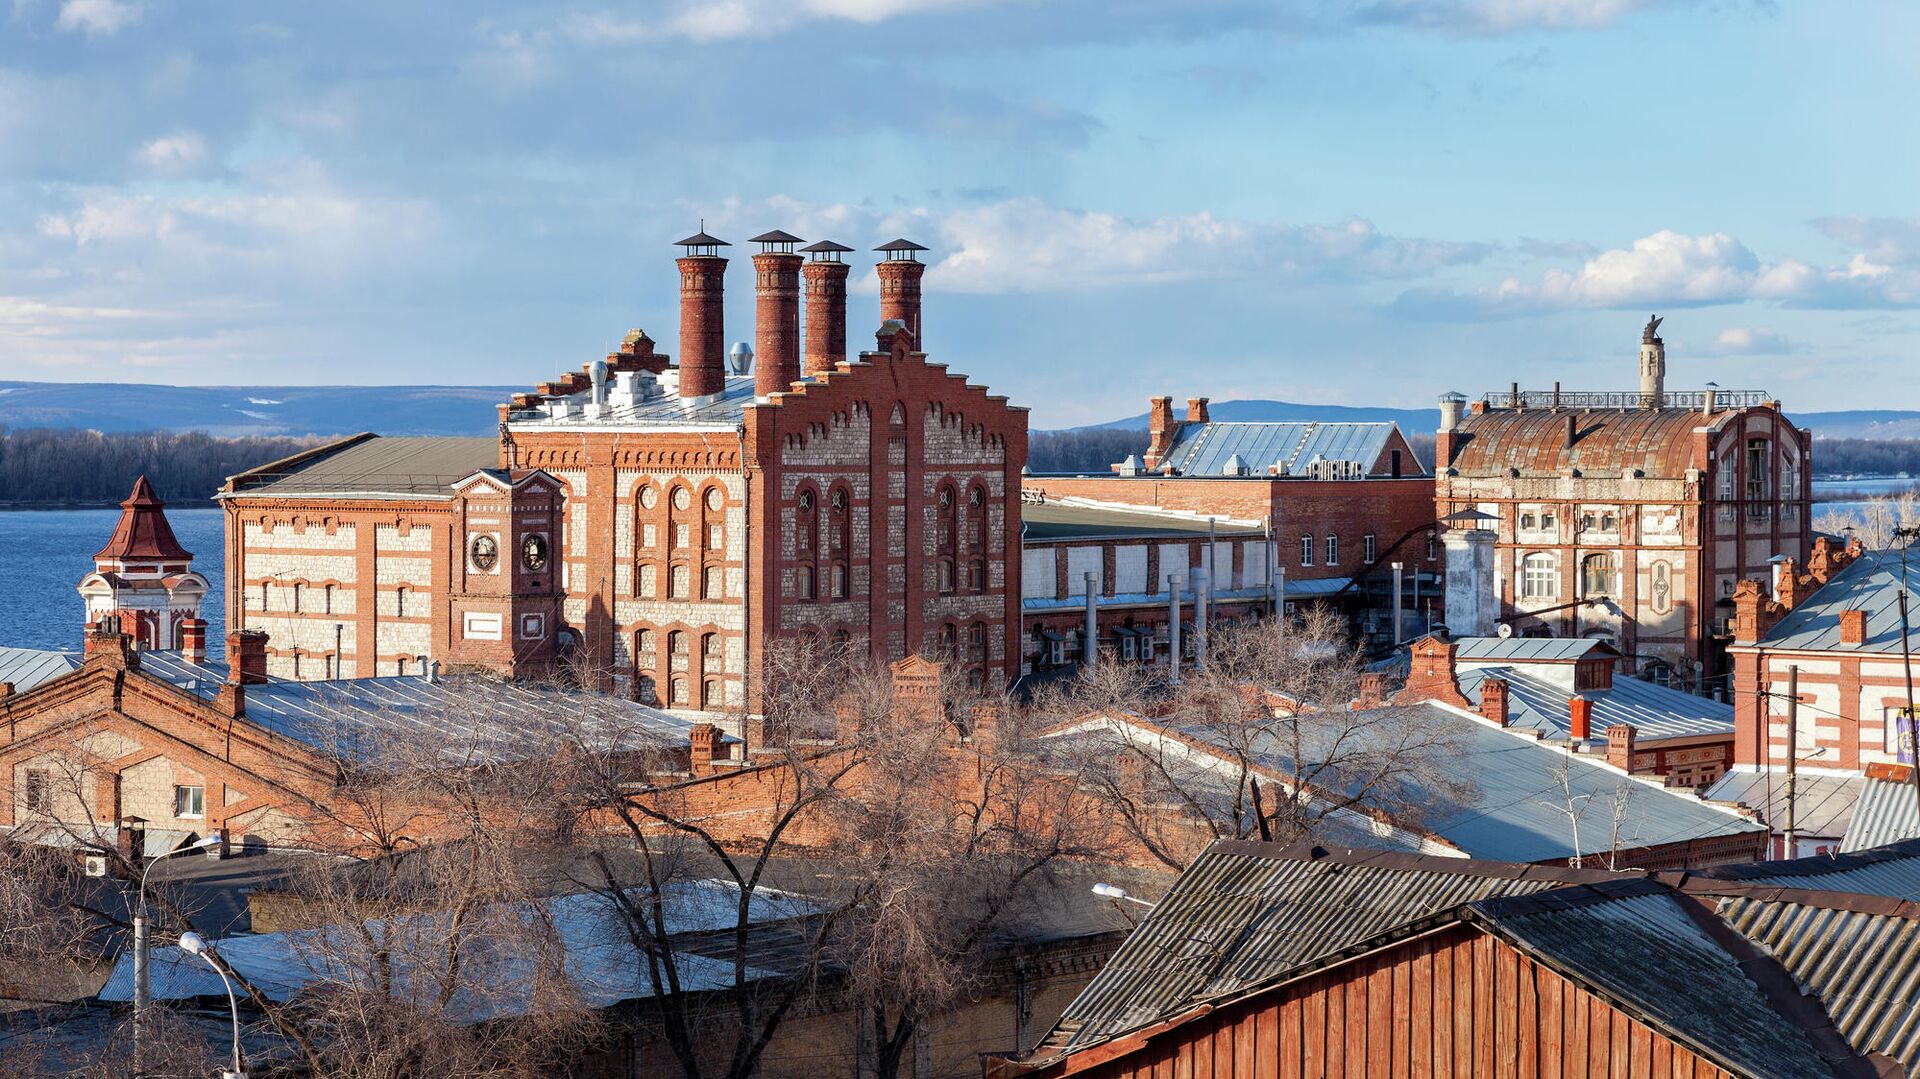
191 944
1117 893
141 943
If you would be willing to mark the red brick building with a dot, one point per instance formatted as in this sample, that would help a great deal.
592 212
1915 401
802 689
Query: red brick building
1627 516
143 577
1342 501
663 526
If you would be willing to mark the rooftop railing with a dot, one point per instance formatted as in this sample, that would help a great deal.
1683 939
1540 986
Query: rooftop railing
1687 399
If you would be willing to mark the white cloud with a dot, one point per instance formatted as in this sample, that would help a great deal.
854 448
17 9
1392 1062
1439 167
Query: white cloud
173 155
1506 16
95 17
1753 341
721 20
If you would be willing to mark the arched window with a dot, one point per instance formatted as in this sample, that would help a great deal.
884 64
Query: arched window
977 518
803 584
677 642
714 586
710 696
649 585
947 520
716 519
1306 550
1539 579
1333 550
946 575
977 575
677 518
977 642
326 599
840 540
646 690
710 657
680 692
1597 576
949 636
646 532
806 523
681 583
840 640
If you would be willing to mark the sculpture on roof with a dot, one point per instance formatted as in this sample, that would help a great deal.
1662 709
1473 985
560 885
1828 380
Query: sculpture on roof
1650 335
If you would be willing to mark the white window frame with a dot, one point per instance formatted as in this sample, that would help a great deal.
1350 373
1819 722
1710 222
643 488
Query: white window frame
1542 585
1369 548
1333 548
190 801
1306 550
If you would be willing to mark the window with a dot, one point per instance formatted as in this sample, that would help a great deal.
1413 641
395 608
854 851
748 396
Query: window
400 602
946 575
326 597
948 636
1306 550
296 597
803 586
977 575
1527 521
711 657
1547 520
977 642
263 595
39 796
1597 576
1333 550
1433 545
680 691
839 580
710 694
977 517
716 536
643 647
806 524
680 583
948 521
714 586
649 581
1538 578
1367 548
189 801
1758 483
677 642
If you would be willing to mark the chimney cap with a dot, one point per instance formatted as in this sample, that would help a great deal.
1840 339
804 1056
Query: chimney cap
778 241
826 251
900 250
702 244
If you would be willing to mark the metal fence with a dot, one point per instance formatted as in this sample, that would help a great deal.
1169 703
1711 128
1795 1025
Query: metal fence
1689 399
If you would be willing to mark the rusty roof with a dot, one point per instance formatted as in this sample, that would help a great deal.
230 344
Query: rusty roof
1658 443
143 531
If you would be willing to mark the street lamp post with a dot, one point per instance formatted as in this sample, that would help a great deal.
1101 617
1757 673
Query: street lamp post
141 946
191 944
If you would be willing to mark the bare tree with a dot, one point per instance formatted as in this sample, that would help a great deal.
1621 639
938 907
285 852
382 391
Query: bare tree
1260 742
1875 520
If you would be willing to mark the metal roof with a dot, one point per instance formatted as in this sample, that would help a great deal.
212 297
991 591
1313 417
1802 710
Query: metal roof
1636 943
1654 710
777 236
722 411
1526 649
1203 449
1870 583
1245 914
1658 443
1822 804
491 719
416 466
1892 871
1068 520
28 667
1863 966
598 952
826 247
1886 813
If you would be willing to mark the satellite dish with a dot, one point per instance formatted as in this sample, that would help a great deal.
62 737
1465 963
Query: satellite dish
1503 630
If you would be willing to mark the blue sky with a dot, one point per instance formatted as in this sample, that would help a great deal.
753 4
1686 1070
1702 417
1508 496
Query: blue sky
1366 202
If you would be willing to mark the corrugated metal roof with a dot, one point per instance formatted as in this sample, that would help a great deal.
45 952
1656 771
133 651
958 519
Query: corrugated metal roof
1637 944
1244 914
1886 813
1072 520
1892 871
28 667
1657 442
1203 449
1526 649
1870 583
1654 710
599 953
420 466
491 719
1822 804
1864 967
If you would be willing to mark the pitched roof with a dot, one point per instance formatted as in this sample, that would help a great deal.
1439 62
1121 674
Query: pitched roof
1639 944
1870 583
1079 520
28 667
1656 442
1822 804
1528 649
1655 711
1244 914
1892 871
1203 449
1886 813
374 466
142 531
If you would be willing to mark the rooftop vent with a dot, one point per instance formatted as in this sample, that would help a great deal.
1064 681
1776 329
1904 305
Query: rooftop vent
1235 466
740 358
1131 466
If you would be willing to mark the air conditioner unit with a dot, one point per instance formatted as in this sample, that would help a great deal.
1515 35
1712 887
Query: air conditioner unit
96 865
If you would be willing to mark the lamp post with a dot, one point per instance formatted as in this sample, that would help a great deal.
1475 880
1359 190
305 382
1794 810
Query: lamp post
1117 893
141 944
191 944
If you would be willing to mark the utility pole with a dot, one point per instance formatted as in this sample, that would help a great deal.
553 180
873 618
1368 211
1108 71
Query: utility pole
1793 748
1173 629
1905 536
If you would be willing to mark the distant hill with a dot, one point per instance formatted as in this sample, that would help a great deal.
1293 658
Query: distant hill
230 411
1883 424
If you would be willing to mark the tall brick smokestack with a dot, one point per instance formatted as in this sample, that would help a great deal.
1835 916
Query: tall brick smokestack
703 329
900 274
776 313
826 277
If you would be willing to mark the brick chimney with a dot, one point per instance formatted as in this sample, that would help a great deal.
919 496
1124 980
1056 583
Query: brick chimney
900 274
6 690
193 640
826 282
1753 613
1579 718
1368 692
1620 738
247 657
1430 676
1160 429
705 741
1493 701
703 329
776 313
105 642
1853 627
1197 410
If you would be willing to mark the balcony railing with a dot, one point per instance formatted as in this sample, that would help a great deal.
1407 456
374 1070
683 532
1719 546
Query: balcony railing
1688 399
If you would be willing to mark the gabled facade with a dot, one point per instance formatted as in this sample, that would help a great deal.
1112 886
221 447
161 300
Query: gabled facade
143 577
